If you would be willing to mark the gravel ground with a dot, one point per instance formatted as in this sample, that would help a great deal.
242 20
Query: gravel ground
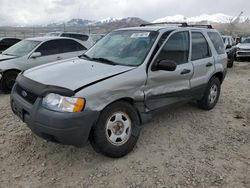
183 147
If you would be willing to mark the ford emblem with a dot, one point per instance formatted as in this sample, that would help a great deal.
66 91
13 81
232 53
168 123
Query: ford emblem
24 93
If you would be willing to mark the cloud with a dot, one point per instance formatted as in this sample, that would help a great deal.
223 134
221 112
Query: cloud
30 12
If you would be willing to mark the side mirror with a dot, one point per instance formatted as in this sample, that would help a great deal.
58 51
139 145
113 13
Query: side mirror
228 46
165 65
36 55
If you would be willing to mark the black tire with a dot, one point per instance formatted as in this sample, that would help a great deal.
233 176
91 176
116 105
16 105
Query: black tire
8 80
208 102
100 135
230 63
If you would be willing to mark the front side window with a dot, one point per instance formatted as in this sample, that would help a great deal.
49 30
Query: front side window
50 48
126 47
218 43
22 48
176 48
200 47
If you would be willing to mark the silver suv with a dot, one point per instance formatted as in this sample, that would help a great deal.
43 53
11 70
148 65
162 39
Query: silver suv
107 94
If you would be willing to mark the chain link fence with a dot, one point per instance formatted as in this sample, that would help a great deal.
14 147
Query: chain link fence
28 32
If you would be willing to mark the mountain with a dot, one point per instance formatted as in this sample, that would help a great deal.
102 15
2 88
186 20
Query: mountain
109 22
205 18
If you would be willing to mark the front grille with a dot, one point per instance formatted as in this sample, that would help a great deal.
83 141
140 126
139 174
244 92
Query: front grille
28 96
244 53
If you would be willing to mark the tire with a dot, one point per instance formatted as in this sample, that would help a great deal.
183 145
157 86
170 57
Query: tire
8 80
211 95
230 63
117 130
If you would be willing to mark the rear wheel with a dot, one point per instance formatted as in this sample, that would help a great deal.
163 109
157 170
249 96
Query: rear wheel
8 80
117 130
211 95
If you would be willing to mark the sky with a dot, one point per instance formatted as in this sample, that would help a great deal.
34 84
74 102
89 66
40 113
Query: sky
37 12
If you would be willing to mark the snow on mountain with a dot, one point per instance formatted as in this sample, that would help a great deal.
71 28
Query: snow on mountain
131 21
209 18
110 19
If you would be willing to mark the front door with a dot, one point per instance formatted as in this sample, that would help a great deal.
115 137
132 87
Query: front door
167 87
50 51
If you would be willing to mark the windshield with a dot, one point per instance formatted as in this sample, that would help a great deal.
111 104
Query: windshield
246 41
128 48
53 34
21 48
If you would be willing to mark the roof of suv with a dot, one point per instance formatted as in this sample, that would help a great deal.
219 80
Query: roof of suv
46 38
168 27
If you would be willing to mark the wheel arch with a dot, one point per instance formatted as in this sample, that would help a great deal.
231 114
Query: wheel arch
12 70
219 75
132 102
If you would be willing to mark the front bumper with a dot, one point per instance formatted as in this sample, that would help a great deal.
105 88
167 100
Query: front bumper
64 128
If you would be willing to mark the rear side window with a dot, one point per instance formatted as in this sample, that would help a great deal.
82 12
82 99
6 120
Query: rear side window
217 42
200 47
71 46
176 49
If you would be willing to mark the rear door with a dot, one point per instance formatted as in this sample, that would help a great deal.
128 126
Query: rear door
71 48
202 60
164 87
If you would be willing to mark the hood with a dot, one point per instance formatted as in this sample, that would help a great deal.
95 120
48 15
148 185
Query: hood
74 73
11 62
6 57
245 46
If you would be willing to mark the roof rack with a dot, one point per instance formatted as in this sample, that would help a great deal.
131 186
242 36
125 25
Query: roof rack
201 26
181 24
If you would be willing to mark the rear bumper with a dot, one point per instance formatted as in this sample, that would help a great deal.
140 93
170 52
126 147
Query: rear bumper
64 128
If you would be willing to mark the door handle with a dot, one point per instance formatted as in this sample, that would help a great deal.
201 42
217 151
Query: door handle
185 71
59 58
209 64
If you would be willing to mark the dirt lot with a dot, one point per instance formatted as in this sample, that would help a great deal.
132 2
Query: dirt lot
184 147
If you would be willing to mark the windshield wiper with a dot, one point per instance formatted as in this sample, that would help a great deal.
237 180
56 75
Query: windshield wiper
8 54
84 55
104 60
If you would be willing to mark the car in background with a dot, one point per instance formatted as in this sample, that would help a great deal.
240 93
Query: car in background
7 42
231 49
34 52
85 39
243 49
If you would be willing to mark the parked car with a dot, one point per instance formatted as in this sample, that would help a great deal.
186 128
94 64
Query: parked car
85 39
7 42
106 94
34 52
243 49
231 49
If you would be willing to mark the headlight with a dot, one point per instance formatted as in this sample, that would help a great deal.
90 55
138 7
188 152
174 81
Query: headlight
63 104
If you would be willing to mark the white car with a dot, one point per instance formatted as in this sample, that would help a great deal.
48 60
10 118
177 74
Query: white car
84 39
243 49
34 52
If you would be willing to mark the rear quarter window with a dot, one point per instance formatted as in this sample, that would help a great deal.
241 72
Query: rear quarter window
217 42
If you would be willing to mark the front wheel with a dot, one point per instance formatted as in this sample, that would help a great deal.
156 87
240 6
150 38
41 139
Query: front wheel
211 95
117 130
8 80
